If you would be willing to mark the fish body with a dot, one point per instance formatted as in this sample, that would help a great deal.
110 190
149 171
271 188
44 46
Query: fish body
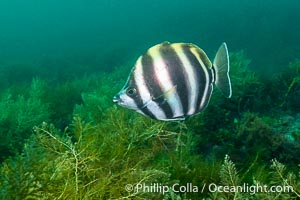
174 80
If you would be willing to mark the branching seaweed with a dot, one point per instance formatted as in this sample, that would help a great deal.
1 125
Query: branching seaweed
286 179
99 149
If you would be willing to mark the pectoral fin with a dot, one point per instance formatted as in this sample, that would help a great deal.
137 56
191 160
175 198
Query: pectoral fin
164 96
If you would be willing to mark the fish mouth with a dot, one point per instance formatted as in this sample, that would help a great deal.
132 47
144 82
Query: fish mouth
120 102
116 99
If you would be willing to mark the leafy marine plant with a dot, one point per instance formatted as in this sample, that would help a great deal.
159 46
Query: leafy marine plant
287 87
19 113
23 106
99 149
228 178
97 160
89 162
247 86
260 137
280 183
98 99
281 176
62 98
245 123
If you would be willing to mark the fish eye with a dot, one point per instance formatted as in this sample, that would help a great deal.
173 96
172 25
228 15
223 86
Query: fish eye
131 91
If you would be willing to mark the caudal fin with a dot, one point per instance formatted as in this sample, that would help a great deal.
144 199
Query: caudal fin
221 66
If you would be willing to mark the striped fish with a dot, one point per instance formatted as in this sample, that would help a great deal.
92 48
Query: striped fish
174 80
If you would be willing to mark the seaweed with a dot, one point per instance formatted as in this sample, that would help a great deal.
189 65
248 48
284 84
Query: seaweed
247 86
19 113
288 86
228 178
281 184
83 162
88 161
66 140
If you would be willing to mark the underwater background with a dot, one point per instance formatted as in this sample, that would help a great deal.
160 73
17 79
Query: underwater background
61 136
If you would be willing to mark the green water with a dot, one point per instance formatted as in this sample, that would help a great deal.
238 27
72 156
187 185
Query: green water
62 61
109 33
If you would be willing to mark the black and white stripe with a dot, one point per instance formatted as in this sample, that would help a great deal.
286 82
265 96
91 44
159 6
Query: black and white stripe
175 73
173 81
144 94
191 77
204 79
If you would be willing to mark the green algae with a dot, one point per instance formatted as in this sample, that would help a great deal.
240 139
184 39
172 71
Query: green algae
78 145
